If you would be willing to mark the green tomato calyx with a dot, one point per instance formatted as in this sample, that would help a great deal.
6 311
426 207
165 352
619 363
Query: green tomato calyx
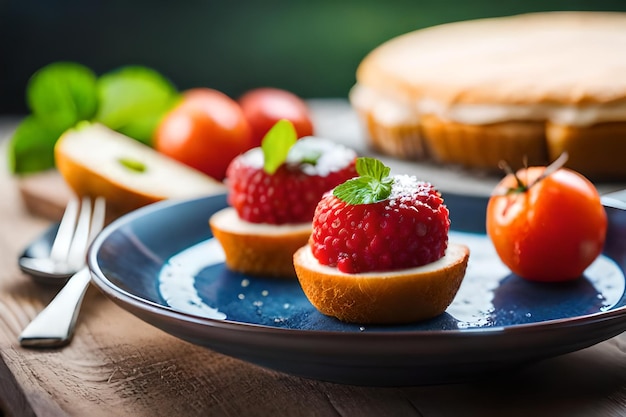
521 186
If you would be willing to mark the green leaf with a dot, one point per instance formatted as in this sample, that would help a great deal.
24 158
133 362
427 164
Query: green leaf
371 167
133 99
62 93
373 184
31 148
276 145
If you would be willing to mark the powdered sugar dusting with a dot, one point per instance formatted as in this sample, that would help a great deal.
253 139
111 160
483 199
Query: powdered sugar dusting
253 158
408 189
331 156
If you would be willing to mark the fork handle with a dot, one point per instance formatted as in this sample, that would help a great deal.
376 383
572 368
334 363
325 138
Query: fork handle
54 325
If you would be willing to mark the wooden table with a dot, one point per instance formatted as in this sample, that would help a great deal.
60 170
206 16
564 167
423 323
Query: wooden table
118 365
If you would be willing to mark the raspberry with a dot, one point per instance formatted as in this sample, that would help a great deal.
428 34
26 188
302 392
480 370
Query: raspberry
291 194
407 229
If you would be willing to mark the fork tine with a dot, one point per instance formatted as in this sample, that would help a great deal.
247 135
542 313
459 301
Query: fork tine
76 253
63 239
90 223
97 219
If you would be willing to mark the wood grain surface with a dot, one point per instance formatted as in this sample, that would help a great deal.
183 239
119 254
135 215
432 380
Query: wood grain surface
118 365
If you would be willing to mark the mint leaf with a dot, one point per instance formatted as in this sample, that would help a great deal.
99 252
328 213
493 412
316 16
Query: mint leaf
371 167
62 93
133 99
276 144
31 148
373 184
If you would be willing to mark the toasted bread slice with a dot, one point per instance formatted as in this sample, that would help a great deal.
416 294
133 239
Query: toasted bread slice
97 161
258 249
400 296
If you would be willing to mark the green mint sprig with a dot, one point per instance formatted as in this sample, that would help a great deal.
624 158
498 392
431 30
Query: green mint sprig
371 186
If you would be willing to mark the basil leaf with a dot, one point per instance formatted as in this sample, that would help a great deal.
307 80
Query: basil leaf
62 93
133 99
31 148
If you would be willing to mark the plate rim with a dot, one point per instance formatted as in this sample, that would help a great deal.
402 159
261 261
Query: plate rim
115 292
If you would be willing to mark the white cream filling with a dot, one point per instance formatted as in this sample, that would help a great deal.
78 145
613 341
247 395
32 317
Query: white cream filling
454 252
229 220
389 111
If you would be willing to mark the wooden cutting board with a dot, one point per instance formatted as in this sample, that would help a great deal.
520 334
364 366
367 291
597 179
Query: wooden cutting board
45 194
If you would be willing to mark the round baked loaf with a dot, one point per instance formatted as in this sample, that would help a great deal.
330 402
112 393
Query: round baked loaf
522 88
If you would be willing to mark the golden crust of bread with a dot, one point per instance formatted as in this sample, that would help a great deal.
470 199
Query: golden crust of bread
89 160
596 151
404 140
265 250
485 146
120 199
551 57
388 297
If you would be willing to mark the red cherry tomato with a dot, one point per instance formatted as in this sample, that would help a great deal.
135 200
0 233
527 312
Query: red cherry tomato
548 230
263 107
205 131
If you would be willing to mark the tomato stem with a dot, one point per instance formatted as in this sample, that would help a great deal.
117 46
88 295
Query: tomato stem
557 164
521 186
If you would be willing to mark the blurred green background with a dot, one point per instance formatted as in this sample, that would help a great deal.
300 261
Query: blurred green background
309 47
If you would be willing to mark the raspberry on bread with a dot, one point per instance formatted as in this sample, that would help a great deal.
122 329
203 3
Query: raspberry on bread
290 193
273 192
379 250
409 228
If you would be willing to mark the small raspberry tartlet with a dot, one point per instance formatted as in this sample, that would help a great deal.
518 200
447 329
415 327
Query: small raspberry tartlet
379 251
272 192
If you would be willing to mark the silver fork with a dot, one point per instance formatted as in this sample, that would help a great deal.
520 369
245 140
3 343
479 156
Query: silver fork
66 255
54 325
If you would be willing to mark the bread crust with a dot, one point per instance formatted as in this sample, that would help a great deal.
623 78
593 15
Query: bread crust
399 140
485 146
383 298
596 151
257 250
89 160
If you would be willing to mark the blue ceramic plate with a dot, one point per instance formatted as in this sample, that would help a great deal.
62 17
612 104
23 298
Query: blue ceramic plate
161 264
